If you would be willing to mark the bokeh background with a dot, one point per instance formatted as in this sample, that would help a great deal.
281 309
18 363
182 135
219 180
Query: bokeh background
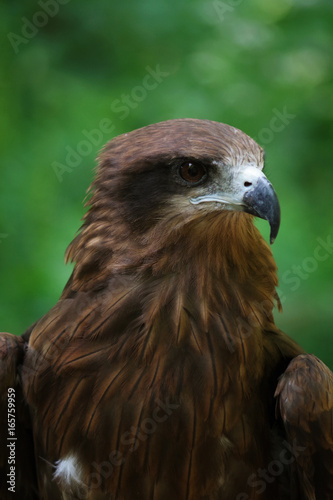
76 73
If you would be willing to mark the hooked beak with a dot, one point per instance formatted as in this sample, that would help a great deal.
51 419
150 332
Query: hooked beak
262 202
249 191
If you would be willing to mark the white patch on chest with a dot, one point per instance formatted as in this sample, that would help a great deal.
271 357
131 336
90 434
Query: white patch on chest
68 471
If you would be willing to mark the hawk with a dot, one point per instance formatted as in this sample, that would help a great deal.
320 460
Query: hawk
160 373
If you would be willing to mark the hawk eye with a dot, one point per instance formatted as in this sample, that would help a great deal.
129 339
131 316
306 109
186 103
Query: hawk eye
192 172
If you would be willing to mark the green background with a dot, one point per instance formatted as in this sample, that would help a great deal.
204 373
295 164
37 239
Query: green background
243 62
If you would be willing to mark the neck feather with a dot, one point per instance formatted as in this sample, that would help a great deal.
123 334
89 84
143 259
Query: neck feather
222 251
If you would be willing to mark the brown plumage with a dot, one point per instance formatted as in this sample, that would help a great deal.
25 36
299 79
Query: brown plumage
160 373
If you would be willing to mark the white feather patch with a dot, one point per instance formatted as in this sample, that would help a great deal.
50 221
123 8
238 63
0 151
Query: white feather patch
68 471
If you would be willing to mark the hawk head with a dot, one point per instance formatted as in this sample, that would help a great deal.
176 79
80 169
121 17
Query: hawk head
164 181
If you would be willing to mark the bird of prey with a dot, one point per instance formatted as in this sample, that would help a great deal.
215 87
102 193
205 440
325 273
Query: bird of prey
160 373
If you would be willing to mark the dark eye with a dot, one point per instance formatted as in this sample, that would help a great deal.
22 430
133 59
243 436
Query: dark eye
192 172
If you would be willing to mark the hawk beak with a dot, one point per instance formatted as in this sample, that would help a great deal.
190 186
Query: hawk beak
262 202
249 191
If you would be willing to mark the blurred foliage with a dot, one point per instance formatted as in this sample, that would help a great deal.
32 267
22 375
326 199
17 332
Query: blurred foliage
239 62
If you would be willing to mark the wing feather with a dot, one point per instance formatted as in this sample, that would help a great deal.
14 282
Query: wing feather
305 404
17 432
